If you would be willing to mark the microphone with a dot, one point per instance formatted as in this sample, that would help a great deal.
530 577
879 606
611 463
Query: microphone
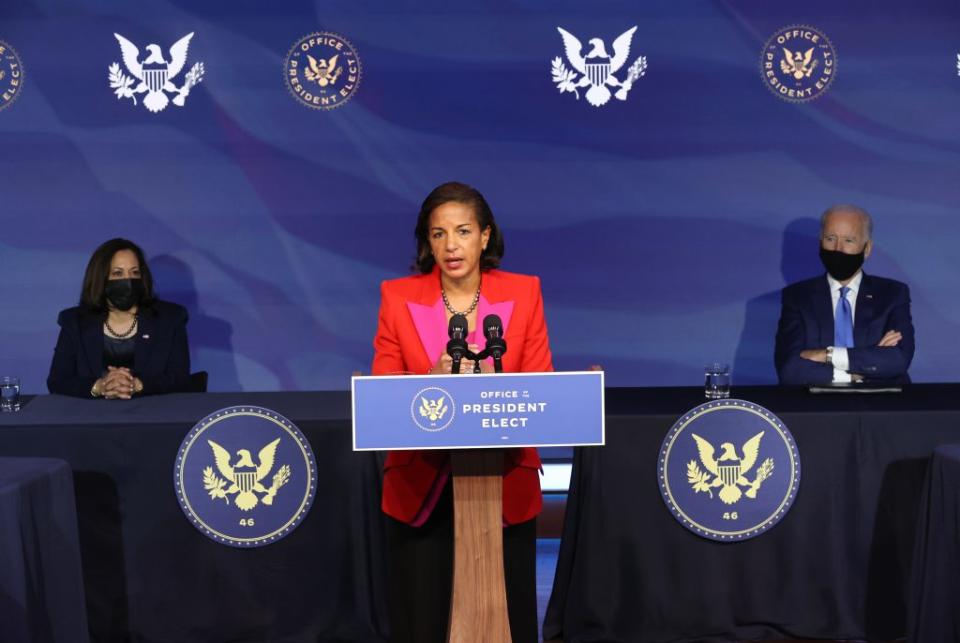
496 346
457 346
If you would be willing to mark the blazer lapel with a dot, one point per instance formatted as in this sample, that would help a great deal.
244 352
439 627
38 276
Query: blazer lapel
502 309
91 331
864 311
429 318
431 328
493 301
144 344
822 306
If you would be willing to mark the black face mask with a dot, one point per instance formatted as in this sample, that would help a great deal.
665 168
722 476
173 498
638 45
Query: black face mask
840 265
124 294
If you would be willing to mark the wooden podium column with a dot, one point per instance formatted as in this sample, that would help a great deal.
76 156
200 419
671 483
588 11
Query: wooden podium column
478 606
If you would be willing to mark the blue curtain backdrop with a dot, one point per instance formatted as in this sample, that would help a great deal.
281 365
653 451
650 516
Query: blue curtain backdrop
663 226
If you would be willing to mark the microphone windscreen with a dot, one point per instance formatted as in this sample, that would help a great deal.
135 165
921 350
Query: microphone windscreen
492 326
457 329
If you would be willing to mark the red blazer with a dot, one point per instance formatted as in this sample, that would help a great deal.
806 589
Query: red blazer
411 336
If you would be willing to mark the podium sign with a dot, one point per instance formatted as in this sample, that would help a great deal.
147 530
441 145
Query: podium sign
398 412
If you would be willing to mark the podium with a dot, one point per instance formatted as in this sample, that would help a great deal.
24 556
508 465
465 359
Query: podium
475 417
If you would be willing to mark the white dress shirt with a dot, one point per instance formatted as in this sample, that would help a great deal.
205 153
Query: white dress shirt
841 361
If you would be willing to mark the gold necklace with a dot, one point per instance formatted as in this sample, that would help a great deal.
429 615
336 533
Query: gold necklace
115 334
476 300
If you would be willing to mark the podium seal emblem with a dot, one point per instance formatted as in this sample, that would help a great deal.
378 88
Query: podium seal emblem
729 470
11 75
322 70
245 476
798 63
432 409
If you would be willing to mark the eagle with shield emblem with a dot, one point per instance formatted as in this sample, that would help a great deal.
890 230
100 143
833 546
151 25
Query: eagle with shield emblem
798 64
325 72
598 68
432 409
729 470
245 476
154 73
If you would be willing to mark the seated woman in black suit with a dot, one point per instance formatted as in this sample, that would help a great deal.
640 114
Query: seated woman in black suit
120 341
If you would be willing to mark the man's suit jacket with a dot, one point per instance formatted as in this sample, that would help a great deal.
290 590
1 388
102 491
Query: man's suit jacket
411 336
806 321
161 356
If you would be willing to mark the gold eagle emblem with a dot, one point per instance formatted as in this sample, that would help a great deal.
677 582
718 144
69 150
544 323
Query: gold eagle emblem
325 72
244 478
800 65
433 410
728 471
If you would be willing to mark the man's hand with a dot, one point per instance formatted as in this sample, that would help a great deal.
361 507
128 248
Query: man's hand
890 338
815 355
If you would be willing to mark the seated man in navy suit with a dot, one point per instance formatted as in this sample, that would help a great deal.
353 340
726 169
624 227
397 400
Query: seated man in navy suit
846 326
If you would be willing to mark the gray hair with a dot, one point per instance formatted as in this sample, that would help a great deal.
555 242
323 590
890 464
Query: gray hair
849 207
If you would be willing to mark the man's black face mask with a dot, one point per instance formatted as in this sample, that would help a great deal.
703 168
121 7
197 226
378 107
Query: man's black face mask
840 265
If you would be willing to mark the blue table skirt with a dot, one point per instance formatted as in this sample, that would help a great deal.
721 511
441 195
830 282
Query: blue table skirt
41 585
935 588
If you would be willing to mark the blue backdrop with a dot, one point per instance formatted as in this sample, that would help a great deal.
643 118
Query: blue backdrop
662 226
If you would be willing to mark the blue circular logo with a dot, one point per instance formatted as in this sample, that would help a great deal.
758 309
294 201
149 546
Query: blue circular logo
245 476
322 70
11 75
432 409
798 63
729 470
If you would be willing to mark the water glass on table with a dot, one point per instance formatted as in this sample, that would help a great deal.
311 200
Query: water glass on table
9 393
716 381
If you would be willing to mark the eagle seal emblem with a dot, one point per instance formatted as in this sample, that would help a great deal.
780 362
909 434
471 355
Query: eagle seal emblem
152 76
245 476
594 71
432 409
798 63
729 470
11 75
322 70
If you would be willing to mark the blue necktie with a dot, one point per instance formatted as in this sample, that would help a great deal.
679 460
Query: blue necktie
843 321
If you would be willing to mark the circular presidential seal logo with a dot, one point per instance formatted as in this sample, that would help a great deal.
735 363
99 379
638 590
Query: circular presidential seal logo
432 409
245 476
729 470
11 75
798 63
322 70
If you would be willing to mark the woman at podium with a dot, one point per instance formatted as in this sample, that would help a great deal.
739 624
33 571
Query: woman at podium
121 340
459 248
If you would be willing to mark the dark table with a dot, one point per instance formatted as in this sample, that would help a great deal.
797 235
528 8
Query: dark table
935 590
41 589
151 576
836 567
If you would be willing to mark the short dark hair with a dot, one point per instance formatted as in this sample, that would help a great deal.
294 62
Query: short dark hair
459 193
93 293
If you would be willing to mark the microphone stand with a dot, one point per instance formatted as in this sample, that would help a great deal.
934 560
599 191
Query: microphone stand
457 350
496 352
